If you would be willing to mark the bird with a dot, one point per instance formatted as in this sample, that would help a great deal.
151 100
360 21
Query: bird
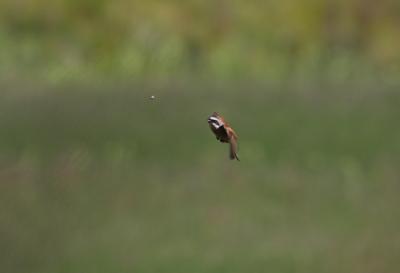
224 133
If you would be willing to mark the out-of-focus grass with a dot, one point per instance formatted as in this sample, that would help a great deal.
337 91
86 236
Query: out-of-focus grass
110 181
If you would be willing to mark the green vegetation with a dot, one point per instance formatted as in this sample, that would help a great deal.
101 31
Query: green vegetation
68 40
100 181
96 178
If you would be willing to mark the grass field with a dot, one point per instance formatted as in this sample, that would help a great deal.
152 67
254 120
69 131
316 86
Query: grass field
106 180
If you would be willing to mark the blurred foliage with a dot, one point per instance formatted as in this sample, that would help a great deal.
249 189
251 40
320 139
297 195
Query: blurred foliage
99 181
114 182
269 40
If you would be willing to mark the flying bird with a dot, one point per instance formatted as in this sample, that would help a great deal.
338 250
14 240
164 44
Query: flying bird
224 133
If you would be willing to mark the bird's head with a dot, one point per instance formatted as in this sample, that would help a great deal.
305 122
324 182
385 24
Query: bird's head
215 121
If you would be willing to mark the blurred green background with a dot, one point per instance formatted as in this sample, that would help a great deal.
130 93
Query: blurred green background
65 40
96 177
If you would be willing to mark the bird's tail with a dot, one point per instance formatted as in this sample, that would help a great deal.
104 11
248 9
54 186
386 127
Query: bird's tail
233 150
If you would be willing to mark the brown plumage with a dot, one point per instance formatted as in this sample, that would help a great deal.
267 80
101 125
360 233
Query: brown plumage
224 133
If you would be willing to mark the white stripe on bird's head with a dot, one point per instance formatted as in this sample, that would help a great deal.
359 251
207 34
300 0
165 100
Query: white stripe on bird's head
216 122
